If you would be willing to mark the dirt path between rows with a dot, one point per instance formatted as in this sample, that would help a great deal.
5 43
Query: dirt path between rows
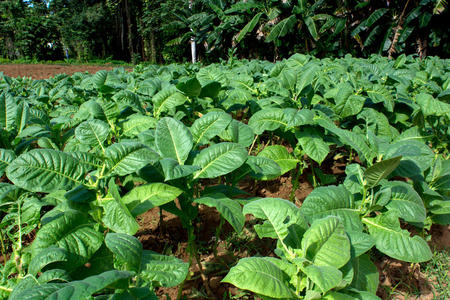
41 71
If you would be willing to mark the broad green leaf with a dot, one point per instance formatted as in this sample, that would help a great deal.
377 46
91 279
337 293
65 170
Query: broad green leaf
191 87
71 231
50 255
162 270
44 170
347 103
296 117
267 168
22 115
211 90
127 251
354 140
238 132
144 197
416 157
360 242
137 124
208 126
375 16
229 209
117 217
8 109
282 220
104 77
396 242
379 171
126 158
325 277
268 119
313 145
325 243
431 106
406 201
173 170
376 122
211 73
259 276
92 133
305 77
380 94
281 156
219 160
366 277
6 157
167 99
75 290
173 139
332 201
89 161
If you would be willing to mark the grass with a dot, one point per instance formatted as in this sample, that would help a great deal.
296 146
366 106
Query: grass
438 274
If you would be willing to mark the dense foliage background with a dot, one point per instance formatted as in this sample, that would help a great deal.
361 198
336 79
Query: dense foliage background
160 31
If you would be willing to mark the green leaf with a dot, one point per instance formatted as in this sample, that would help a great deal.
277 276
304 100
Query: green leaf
431 106
167 99
75 290
263 168
406 201
162 270
305 77
71 231
45 170
347 103
92 133
313 145
366 277
50 255
127 251
296 117
281 156
208 126
6 157
249 27
332 201
238 132
137 124
173 139
379 171
396 242
211 90
144 197
378 93
283 220
219 159
281 29
375 16
117 217
360 242
325 243
22 115
261 277
191 87
173 170
126 158
104 77
8 109
268 119
229 209
325 277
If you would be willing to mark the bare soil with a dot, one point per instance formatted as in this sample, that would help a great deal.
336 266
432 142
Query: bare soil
42 71
163 232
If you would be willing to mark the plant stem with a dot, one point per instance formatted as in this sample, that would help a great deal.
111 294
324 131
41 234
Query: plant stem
253 144
3 247
313 174
216 242
200 267
5 289
295 183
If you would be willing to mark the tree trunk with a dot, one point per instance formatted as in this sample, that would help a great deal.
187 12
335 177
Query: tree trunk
152 46
129 32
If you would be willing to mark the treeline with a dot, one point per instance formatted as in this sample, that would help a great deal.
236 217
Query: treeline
160 31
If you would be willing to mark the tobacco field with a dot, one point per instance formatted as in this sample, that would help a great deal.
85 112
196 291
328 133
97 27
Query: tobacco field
83 156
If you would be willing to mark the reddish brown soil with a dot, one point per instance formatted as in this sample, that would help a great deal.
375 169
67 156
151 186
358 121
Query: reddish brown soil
40 71
398 280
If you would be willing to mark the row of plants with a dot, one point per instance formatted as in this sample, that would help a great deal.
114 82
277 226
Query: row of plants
82 156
